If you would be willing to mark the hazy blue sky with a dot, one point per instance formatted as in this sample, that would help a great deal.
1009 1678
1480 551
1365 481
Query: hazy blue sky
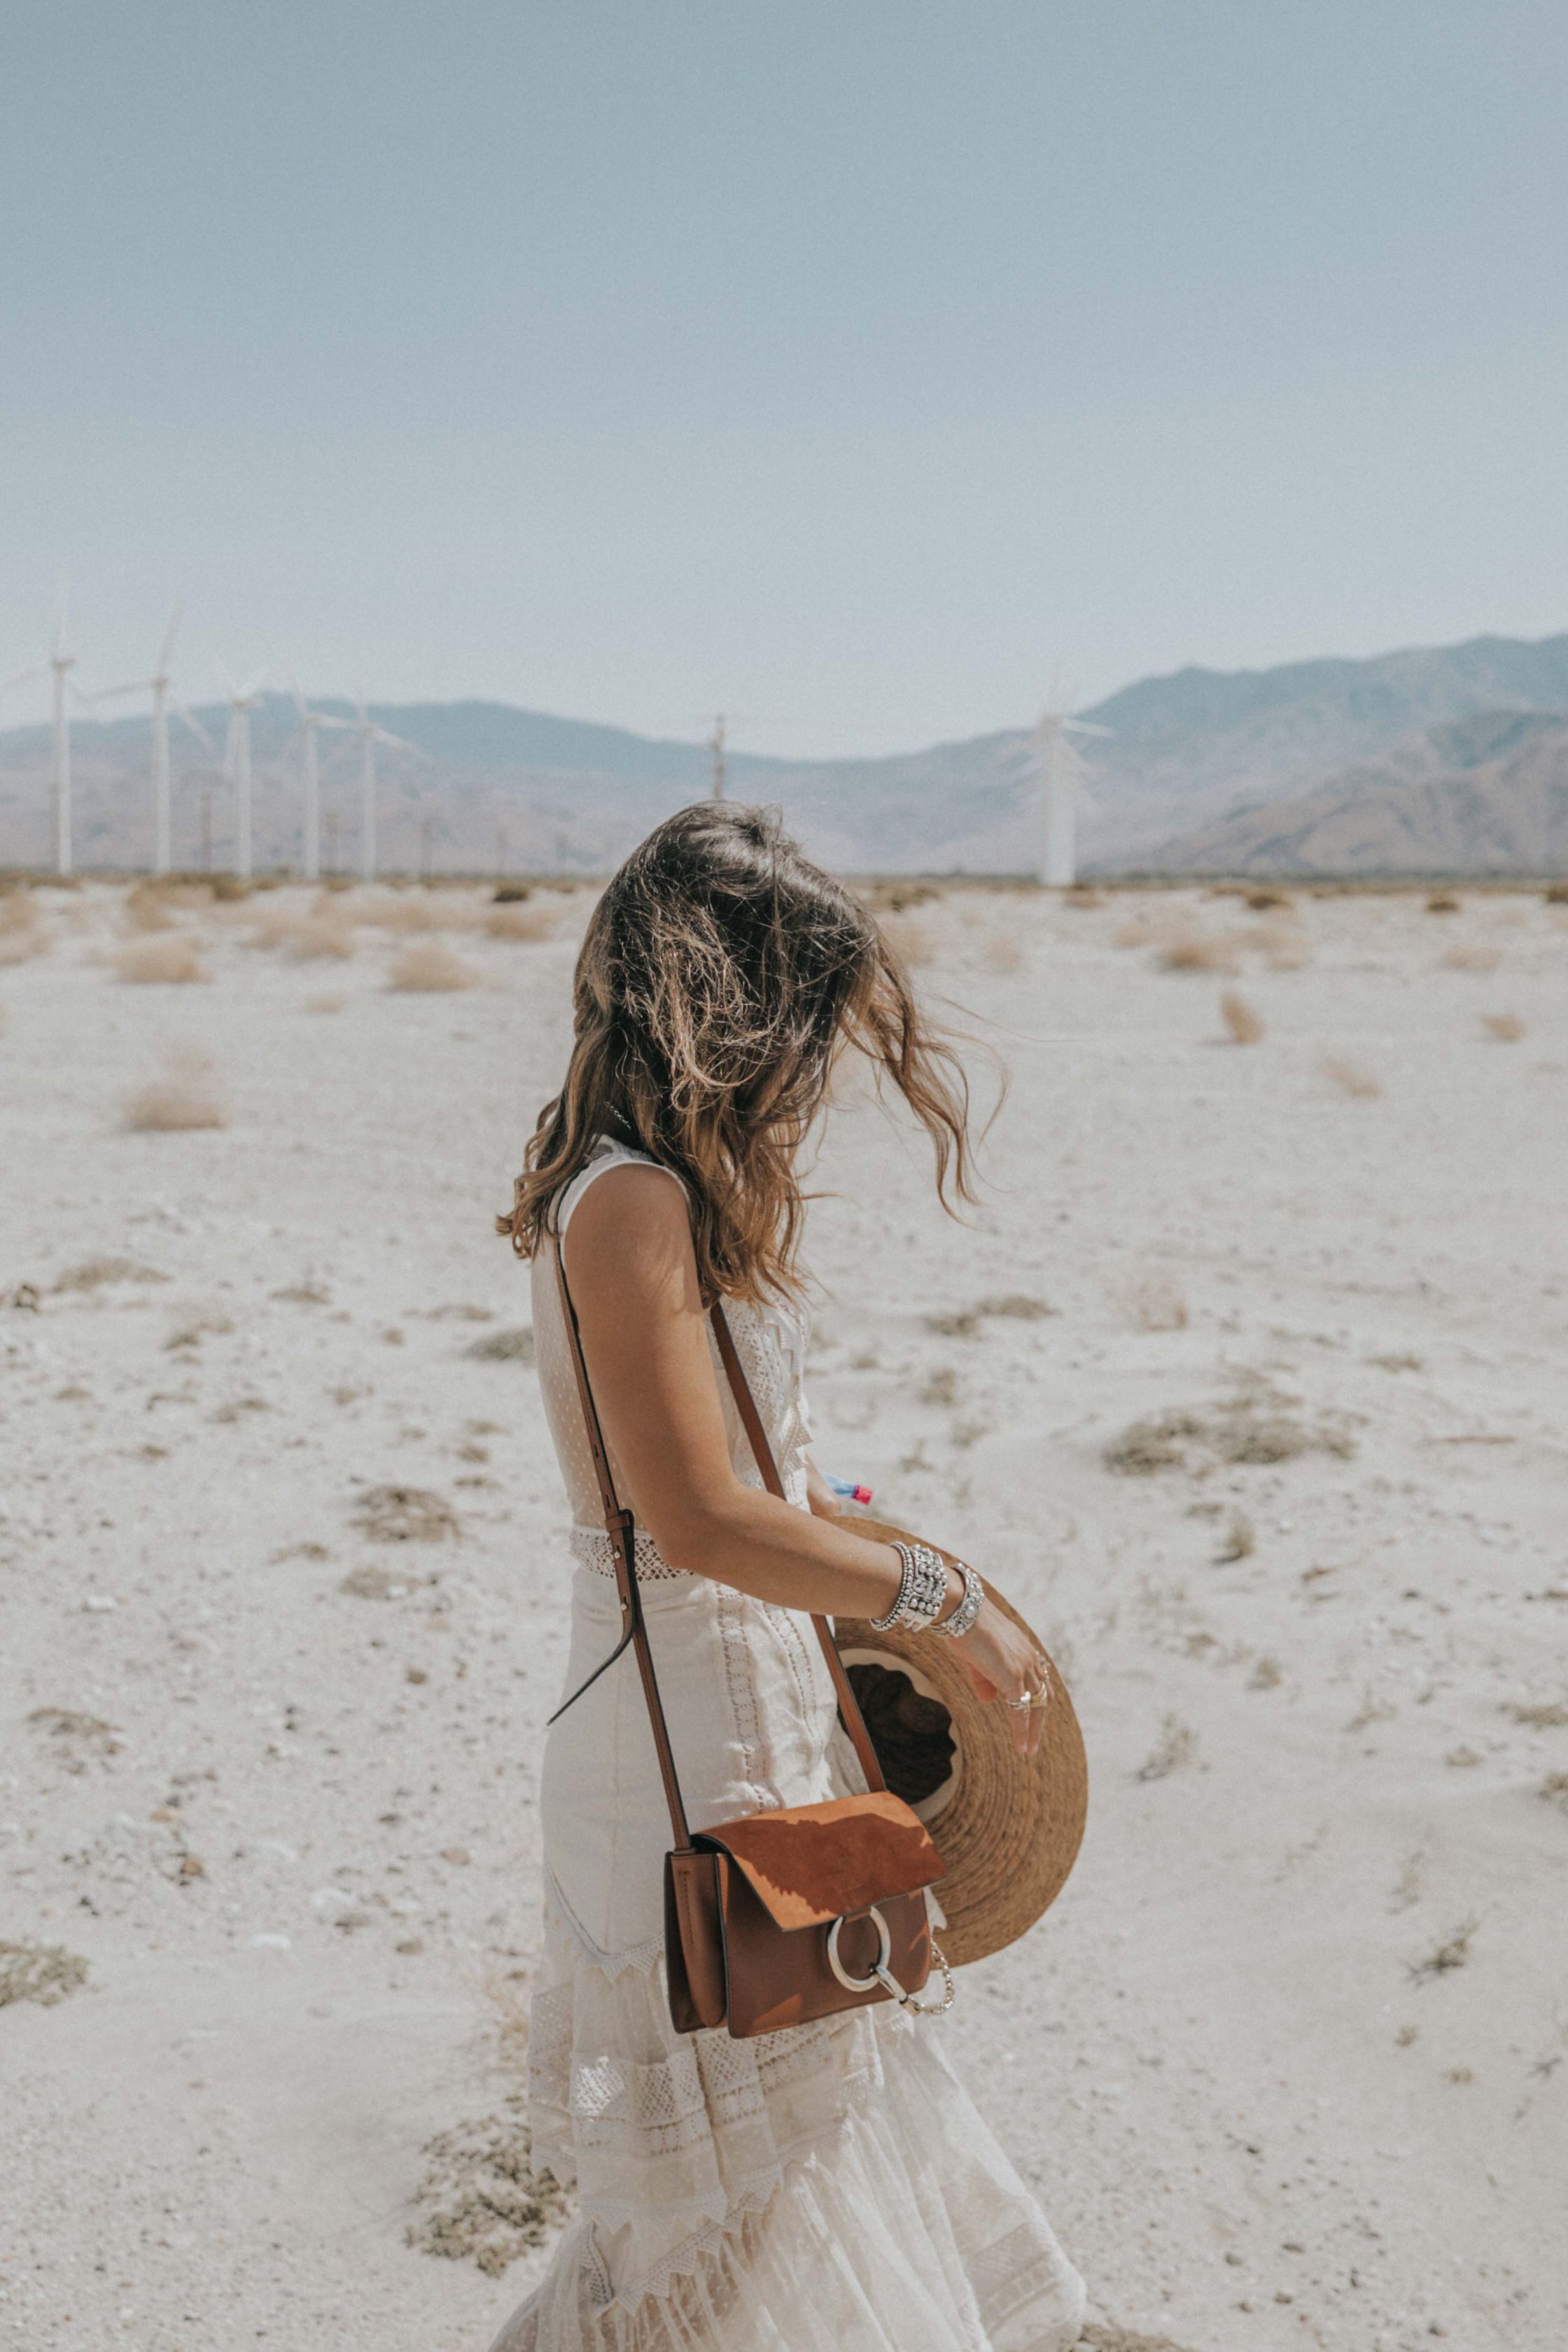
845 364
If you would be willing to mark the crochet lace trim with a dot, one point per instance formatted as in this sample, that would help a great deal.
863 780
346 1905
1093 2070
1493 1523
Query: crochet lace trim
591 1548
642 1958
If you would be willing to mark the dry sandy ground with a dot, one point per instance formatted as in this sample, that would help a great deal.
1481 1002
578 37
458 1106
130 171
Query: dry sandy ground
1287 2060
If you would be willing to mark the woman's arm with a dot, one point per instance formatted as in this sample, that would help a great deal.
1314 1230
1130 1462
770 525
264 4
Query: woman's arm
633 1277
644 1336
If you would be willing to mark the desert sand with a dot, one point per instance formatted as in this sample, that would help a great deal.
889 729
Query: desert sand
1248 1379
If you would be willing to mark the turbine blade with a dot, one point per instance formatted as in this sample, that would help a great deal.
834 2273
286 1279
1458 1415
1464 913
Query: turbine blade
167 652
197 729
398 742
248 689
108 693
299 697
62 606
1087 726
36 669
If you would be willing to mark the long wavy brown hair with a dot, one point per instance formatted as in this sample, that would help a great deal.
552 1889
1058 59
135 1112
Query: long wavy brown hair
721 976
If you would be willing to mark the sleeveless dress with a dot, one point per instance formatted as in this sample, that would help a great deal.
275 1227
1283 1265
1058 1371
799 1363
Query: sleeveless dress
828 2189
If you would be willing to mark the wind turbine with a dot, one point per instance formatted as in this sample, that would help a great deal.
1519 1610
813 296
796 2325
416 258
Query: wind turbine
158 686
61 664
242 701
370 735
311 781
1057 763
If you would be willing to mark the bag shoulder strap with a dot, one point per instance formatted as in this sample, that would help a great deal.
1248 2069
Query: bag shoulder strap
621 1528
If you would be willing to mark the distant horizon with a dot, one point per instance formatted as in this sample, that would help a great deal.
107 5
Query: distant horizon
84 717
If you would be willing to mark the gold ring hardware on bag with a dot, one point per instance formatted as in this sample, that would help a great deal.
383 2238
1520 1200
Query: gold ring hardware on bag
880 1966
882 1974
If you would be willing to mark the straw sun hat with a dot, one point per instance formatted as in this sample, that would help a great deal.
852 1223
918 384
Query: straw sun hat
1008 1827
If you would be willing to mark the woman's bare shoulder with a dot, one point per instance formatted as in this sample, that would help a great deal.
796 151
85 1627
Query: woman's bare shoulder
631 1223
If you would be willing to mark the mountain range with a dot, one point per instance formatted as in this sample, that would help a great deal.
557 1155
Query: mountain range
1447 759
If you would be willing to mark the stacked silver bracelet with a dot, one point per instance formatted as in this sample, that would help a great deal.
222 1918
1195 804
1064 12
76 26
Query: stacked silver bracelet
969 1607
923 1592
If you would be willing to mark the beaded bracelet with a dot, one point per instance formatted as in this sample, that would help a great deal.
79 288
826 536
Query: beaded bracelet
922 1589
969 1606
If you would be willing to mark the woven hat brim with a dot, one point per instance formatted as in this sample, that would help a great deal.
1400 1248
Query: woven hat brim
1008 1827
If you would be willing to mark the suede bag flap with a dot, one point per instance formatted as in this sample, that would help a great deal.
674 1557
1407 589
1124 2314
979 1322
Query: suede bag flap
811 1864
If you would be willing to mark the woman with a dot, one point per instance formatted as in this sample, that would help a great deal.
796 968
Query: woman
830 2188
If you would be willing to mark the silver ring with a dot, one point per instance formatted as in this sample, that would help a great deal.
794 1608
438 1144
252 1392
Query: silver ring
860 1984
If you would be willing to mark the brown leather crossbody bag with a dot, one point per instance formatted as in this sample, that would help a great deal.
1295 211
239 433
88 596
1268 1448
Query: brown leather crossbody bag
779 1917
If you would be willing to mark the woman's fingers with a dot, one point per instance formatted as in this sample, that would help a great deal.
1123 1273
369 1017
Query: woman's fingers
1016 1673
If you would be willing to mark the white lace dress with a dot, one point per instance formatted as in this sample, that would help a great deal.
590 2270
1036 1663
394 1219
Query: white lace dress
829 2189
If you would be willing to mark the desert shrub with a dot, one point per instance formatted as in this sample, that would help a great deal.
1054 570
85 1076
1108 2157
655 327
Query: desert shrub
166 959
45 1973
1557 895
897 897
1247 1431
512 920
187 1096
1244 1025
1504 1028
311 937
431 968
910 939
1282 942
510 894
1350 1078
480 2199
1195 950
405 911
22 934
504 1347
146 908
1471 959
1442 902
405 1515
1155 1303
95 1271
1260 901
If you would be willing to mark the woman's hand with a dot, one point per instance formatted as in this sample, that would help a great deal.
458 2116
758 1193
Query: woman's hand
1003 1663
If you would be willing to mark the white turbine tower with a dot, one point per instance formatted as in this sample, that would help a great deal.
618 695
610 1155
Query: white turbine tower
1058 765
370 735
158 686
242 701
59 664
311 782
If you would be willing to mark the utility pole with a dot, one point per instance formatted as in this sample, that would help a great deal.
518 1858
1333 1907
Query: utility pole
716 746
206 829
60 662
